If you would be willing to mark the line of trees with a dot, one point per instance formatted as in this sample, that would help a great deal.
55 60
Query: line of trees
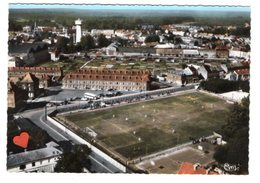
65 45
236 133
222 85
239 31
126 21
152 38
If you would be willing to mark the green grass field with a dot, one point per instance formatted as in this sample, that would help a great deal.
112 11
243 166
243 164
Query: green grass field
69 65
149 64
143 128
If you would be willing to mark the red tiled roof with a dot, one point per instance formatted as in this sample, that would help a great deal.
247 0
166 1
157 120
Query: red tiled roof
222 47
188 168
34 69
242 71
109 75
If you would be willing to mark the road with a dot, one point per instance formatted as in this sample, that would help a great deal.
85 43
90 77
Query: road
37 116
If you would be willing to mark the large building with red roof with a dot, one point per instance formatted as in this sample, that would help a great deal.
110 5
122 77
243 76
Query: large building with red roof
104 79
37 71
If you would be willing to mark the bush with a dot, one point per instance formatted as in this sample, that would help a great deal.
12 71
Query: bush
222 86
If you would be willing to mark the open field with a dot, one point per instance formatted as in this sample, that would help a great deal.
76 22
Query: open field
68 65
143 128
133 64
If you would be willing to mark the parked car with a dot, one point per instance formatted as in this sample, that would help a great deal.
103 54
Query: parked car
84 99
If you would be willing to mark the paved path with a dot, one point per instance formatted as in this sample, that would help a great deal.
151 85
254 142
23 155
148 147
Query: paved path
37 116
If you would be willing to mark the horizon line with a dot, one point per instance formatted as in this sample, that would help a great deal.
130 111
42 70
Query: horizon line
84 6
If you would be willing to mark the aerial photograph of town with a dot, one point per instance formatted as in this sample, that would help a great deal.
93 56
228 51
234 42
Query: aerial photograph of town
128 89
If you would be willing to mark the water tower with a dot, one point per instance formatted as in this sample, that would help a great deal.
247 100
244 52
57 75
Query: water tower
78 30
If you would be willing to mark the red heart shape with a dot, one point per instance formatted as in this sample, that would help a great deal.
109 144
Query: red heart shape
21 140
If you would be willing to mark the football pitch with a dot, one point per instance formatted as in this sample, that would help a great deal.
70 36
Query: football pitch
143 128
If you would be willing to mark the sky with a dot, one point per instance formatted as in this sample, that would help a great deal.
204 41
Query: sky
129 7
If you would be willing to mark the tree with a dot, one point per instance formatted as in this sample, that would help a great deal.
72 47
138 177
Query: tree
102 41
196 43
13 26
152 38
61 44
236 132
241 31
71 48
74 161
221 85
87 42
177 40
122 42
170 37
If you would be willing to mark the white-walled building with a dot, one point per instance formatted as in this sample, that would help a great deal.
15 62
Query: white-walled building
39 160
107 32
11 62
207 53
239 54
190 53
111 49
27 28
167 45
54 56
179 33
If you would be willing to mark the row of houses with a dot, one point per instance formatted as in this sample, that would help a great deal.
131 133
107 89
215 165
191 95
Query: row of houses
32 79
30 54
220 52
194 73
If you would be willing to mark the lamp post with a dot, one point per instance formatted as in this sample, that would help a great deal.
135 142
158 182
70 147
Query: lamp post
78 96
45 109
